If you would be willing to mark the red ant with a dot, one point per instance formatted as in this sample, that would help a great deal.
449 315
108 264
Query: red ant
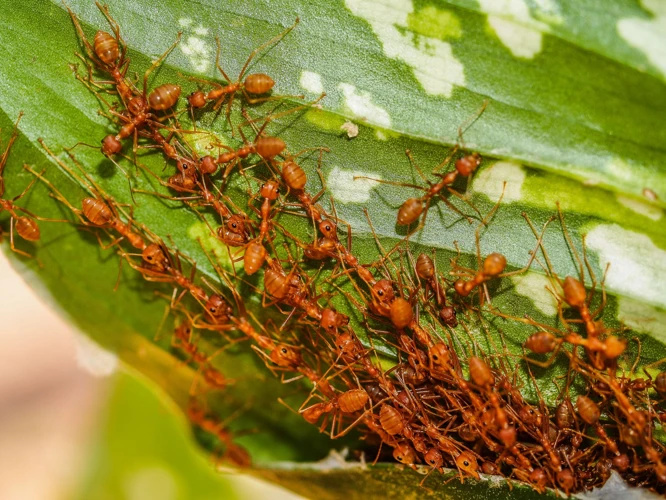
234 229
412 209
160 266
494 264
265 146
574 293
345 403
100 210
295 178
109 54
257 83
235 453
25 226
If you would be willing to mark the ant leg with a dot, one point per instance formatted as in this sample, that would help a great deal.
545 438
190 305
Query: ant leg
159 61
5 155
273 40
11 240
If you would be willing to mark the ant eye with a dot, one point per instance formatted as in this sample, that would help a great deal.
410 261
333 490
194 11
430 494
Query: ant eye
284 350
466 463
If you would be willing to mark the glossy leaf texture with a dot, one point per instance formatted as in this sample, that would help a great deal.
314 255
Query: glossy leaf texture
574 116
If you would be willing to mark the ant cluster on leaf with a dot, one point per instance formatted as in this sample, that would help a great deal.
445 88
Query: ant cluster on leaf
444 402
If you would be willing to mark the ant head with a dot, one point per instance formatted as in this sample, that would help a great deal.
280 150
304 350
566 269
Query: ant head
183 330
111 145
467 462
186 167
566 480
332 319
312 414
207 165
383 290
217 306
270 190
439 355
197 99
154 256
347 346
404 454
434 458
137 105
468 164
448 316
329 229
286 356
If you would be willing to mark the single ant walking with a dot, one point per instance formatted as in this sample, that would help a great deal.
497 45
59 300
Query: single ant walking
254 84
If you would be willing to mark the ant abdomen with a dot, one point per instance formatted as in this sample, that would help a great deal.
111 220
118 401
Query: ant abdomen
106 47
97 211
258 83
410 211
293 175
352 400
269 147
255 256
27 228
164 97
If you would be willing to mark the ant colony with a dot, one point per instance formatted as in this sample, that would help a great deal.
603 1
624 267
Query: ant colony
446 400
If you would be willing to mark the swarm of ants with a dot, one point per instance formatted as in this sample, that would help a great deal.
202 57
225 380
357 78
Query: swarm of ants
439 406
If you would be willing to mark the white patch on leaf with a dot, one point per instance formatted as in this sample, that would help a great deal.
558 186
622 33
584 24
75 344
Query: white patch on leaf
535 286
201 30
548 11
514 26
185 22
520 40
620 169
198 52
346 189
642 317
431 60
361 105
647 35
93 358
491 181
311 82
641 207
638 266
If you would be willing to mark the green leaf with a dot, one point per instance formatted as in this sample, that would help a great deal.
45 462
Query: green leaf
142 448
574 115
